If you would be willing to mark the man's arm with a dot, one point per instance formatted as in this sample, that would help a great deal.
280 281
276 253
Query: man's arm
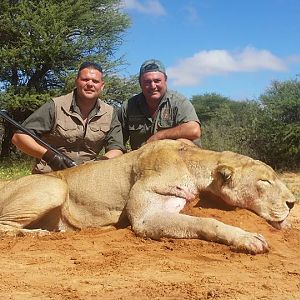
113 153
114 139
122 117
39 122
189 130
28 145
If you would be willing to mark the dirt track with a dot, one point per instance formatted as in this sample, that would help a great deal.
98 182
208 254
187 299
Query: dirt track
95 264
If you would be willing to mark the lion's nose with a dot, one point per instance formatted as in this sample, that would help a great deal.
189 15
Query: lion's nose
290 204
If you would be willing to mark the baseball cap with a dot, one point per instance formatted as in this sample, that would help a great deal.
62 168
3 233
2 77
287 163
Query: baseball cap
152 65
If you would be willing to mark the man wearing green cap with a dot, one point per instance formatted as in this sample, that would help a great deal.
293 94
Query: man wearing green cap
158 113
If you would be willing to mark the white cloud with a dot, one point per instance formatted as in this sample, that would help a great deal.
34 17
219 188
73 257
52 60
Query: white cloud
190 71
150 7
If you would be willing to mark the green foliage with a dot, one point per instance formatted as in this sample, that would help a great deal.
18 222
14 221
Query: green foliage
22 102
282 100
281 124
268 129
42 41
207 104
119 89
231 127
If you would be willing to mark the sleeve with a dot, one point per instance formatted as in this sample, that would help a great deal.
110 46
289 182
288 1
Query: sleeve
114 138
41 120
122 116
186 112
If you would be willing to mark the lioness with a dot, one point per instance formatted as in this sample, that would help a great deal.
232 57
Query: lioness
149 187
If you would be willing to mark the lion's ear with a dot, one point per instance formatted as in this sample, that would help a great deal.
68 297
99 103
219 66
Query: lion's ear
223 174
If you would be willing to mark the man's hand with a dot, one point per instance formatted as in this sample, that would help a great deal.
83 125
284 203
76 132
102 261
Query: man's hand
57 162
187 131
156 136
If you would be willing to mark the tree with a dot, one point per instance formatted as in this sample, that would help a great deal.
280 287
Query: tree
226 124
43 42
267 129
231 127
118 89
207 104
281 123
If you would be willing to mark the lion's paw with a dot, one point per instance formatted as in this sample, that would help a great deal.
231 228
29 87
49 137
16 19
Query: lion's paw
253 243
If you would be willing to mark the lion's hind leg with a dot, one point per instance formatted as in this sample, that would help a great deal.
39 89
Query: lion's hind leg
26 201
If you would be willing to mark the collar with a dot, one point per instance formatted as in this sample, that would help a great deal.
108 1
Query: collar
75 109
143 103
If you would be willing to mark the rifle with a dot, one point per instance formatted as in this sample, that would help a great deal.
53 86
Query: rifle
5 116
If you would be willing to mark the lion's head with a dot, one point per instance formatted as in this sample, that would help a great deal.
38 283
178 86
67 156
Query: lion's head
247 183
237 179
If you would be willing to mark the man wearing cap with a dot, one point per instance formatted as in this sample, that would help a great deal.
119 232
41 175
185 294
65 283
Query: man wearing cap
78 124
158 113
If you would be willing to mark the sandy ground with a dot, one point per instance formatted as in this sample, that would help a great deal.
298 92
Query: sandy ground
115 264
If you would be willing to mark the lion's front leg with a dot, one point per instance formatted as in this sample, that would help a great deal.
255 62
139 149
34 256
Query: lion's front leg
149 216
174 225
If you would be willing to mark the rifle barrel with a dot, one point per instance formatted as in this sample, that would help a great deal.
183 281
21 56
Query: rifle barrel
4 115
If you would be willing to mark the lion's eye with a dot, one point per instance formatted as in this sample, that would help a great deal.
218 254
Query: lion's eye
266 181
263 185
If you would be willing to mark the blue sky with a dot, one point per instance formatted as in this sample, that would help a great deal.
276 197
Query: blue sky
234 48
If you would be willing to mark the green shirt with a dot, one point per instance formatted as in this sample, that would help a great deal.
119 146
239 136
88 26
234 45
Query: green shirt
138 125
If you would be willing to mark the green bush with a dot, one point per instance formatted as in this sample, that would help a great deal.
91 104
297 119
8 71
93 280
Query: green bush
267 129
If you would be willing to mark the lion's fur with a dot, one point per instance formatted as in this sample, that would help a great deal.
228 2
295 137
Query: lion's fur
148 187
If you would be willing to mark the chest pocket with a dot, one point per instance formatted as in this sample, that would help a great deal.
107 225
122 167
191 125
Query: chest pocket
139 131
137 124
166 118
97 131
69 129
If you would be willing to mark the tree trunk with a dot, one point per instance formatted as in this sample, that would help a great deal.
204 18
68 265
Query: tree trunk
6 146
